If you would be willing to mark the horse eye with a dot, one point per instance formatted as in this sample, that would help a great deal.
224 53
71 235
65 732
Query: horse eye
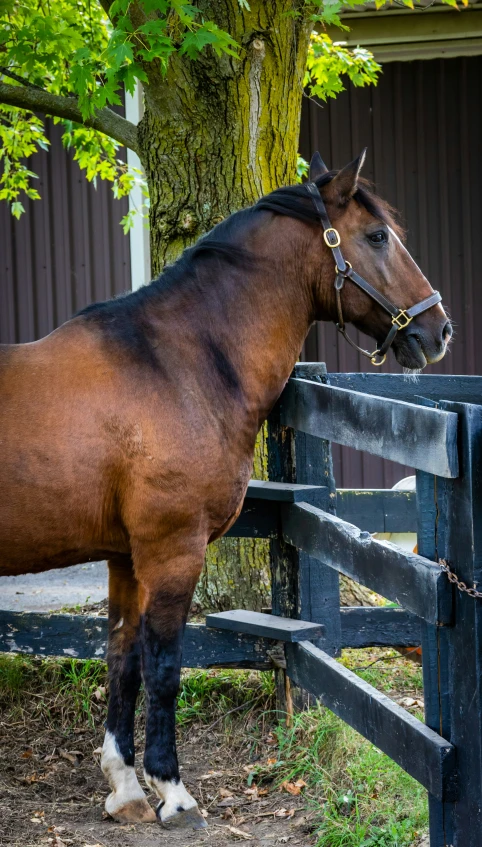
378 238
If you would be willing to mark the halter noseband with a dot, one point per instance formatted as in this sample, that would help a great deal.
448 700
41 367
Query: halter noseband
400 317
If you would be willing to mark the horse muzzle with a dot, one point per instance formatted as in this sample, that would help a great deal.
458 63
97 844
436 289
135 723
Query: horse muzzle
422 344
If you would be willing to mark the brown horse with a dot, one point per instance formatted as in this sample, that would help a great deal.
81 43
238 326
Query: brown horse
128 433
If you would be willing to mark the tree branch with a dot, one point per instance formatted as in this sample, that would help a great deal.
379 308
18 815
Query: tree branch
20 79
106 4
104 120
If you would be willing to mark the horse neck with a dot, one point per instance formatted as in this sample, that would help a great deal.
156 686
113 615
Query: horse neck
264 315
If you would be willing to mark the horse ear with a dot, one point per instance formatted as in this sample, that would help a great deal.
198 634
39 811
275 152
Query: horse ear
317 167
345 183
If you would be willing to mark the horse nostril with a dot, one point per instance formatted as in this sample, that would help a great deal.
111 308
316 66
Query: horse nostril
447 331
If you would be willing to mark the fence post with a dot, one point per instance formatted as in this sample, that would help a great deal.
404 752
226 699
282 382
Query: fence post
452 656
319 585
301 586
435 647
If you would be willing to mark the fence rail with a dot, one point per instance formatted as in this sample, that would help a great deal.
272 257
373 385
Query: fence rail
413 582
422 438
85 637
378 509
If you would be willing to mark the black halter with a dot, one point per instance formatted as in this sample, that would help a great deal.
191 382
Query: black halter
400 317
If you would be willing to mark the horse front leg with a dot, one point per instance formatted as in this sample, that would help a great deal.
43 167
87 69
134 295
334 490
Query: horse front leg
167 589
127 801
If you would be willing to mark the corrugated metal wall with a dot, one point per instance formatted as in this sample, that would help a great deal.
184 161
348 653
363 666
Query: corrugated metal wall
67 251
422 125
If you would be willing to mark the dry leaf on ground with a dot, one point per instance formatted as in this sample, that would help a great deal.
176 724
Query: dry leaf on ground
69 757
210 775
240 833
226 792
285 813
293 788
228 801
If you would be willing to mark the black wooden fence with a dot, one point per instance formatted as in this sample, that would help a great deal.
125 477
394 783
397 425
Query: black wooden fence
434 425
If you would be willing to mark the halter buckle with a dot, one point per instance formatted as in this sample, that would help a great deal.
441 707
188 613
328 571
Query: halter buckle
402 319
332 237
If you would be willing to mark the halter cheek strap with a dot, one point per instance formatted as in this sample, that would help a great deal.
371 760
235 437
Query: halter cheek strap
400 317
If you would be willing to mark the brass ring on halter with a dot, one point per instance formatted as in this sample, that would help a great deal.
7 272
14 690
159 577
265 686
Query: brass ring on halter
342 273
373 359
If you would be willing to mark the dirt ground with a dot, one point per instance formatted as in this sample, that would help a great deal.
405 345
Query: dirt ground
52 792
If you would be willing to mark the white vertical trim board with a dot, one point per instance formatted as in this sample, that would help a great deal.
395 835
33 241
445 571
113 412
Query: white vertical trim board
139 234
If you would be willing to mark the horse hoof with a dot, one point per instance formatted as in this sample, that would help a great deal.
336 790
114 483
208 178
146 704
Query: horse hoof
182 818
135 811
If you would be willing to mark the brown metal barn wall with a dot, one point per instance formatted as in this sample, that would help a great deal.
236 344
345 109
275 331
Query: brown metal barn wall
67 251
422 125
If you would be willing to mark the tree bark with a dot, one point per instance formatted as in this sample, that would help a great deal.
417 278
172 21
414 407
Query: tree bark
354 594
217 134
220 132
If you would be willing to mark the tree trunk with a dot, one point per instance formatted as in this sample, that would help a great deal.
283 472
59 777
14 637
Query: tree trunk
220 132
354 594
217 134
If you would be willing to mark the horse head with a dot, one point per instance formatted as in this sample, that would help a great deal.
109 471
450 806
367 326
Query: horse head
378 287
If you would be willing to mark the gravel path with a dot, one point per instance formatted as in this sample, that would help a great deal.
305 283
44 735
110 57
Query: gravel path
54 589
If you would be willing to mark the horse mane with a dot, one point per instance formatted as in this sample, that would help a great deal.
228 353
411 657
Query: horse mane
224 244
295 202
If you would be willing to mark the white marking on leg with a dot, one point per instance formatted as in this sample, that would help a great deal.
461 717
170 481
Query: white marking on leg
174 796
119 624
122 778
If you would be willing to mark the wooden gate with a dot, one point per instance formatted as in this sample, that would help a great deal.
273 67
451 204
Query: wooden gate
434 425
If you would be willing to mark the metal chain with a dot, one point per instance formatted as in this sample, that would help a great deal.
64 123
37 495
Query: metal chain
472 592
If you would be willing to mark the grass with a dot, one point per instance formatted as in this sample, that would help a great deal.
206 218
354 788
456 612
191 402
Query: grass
68 691
361 798
355 795
75 691
208 696
385 670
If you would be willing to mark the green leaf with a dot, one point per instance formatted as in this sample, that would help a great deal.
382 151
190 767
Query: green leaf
120 53
153 28
156 6
17 209
329 63
208 34
127 222
81 78
119 7
302 168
